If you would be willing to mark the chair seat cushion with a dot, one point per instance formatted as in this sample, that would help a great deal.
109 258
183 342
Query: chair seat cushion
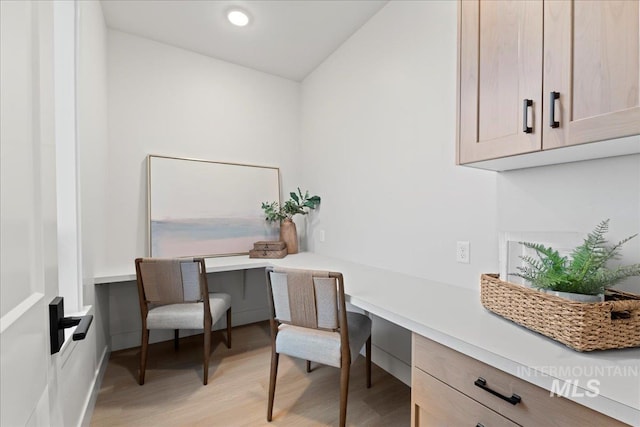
187 315
323 346
219 303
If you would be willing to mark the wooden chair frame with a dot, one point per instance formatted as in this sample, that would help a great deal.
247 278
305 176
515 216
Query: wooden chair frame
207 323
345 363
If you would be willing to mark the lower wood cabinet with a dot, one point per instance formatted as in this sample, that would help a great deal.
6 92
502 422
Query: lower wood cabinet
452 389
437 404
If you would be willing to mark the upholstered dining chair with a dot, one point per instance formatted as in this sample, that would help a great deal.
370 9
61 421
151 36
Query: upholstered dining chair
174 294
309 321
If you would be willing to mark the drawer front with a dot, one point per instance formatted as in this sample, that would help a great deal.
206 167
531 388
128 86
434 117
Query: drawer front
435 404
535 408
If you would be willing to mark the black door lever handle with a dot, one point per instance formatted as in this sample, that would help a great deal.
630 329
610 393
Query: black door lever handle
83 323
58 323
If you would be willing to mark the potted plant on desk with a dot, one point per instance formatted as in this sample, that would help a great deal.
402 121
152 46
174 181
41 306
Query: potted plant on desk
583 275
297 204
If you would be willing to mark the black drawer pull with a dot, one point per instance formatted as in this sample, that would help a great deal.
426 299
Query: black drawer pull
552 109
479 425
482 383
526 103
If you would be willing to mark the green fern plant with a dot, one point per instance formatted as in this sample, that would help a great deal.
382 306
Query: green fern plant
583 272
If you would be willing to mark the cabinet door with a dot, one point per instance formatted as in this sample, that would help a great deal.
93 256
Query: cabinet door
592 60
500 66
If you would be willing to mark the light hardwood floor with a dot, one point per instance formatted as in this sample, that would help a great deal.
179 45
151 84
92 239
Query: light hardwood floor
173 394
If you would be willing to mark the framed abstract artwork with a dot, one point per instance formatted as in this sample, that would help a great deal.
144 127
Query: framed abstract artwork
206 208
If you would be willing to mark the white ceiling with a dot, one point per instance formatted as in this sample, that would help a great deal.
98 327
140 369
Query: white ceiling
288 38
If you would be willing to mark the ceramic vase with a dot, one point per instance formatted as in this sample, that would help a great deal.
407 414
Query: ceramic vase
289 235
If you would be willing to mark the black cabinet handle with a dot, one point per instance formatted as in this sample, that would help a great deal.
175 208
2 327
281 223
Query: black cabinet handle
525 114
552 109
479 425
482 383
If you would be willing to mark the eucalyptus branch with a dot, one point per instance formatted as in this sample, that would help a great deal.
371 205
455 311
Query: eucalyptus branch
297 204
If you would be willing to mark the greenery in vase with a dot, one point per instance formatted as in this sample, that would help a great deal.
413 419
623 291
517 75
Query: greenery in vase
584 271
297 204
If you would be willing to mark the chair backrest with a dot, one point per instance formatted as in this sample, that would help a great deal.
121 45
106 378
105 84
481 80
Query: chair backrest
310 299
171 280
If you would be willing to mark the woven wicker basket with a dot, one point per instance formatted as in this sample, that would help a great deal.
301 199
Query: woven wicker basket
614 323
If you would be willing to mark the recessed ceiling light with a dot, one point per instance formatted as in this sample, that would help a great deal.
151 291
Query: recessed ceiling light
238 17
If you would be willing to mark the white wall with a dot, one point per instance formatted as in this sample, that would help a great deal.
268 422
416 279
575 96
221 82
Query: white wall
576 197
92 150
169 101
379 145
87 363
378 133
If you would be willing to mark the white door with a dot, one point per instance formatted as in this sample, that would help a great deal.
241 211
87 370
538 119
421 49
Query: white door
28 251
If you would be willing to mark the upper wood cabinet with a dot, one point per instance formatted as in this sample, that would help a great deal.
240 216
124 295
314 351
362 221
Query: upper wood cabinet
537 75
500 68
592 59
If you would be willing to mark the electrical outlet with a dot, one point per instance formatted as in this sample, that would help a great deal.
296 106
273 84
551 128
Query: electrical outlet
321 236
462 252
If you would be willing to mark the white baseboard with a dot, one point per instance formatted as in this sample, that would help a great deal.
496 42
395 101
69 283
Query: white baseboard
391 364
95 389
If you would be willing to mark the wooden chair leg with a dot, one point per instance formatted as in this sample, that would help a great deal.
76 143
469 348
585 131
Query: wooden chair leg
229 328
368 364
176 339
272 383
344 392
308 366
207 353
143 355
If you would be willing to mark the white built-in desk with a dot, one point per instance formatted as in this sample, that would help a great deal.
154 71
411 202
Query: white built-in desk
454 317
